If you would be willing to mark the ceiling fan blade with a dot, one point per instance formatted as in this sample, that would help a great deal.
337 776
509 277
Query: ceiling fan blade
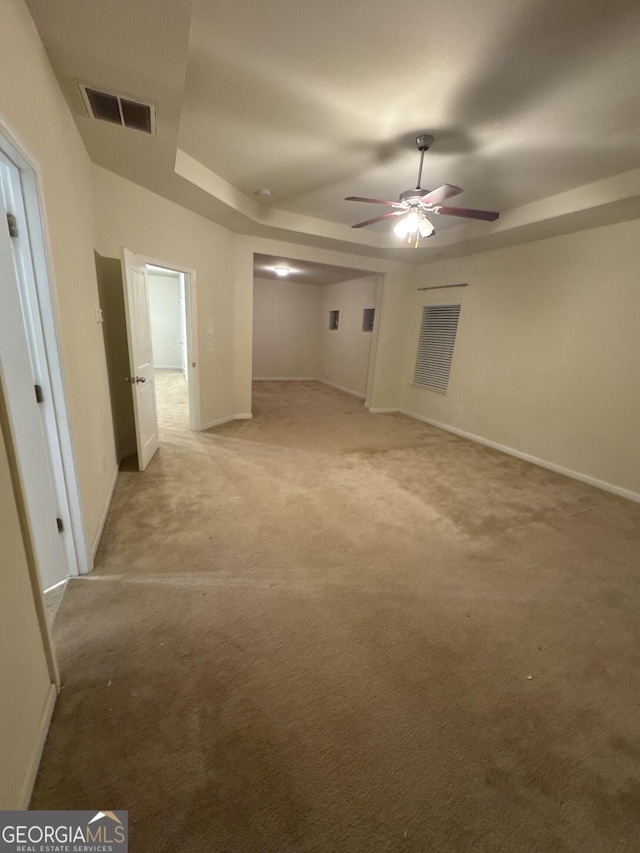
488 215
378 218
372 200
440 194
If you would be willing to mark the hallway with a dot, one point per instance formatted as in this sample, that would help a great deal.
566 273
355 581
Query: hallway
323 630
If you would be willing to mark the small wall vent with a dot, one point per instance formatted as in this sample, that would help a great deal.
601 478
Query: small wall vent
368 318
118 109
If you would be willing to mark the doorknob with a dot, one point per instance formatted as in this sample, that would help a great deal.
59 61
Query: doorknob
134 379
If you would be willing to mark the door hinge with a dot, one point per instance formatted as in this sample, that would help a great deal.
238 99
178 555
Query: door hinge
60 525
39 394
13 225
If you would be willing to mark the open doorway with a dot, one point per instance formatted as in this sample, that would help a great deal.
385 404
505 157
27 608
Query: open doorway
168 319
149 311
315 321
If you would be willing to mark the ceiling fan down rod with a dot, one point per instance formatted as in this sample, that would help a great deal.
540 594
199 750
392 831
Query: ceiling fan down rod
423 144
418 187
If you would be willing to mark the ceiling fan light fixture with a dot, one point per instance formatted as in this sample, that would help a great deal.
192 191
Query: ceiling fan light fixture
426 229
415 223
401 229
413 205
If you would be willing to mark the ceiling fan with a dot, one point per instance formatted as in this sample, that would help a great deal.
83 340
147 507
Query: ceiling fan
414 205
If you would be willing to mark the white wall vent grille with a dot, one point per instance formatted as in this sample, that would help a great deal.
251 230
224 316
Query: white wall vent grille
368 317
435 346
119 109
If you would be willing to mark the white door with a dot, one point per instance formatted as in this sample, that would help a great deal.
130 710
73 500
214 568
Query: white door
29 440
136 303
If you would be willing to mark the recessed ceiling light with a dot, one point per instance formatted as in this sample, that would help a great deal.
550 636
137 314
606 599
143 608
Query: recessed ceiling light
281 271
263 193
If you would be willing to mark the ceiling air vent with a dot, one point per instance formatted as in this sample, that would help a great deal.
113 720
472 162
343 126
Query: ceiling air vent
118 109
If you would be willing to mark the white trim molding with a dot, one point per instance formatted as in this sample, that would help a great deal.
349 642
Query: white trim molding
191 314
25 169
308 379
38 746
103 519
341 388
220 421
535 460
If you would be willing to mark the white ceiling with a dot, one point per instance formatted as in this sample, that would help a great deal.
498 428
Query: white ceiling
533 105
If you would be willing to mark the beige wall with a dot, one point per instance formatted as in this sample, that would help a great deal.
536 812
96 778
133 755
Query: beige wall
33 108
286 333
547 359
291 336
344 352
33 112
132 217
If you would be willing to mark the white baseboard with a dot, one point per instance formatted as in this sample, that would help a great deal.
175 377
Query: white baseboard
341 388
36 753
56 585
542 463
308 379
384 411
242 416
103 519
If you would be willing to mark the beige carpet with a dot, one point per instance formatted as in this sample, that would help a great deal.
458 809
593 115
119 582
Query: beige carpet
324 630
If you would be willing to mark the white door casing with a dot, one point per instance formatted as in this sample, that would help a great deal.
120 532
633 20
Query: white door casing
190 313
183 328
34 465
141 377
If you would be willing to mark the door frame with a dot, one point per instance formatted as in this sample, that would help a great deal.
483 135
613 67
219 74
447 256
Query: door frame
373 350
27 181
189 274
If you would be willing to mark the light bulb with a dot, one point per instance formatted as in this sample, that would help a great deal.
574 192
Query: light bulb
413 221
281 271
426 228
401 229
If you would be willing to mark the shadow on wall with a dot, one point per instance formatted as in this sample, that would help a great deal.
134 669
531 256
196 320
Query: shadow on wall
111 293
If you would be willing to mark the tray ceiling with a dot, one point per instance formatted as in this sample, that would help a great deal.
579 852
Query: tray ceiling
533 105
